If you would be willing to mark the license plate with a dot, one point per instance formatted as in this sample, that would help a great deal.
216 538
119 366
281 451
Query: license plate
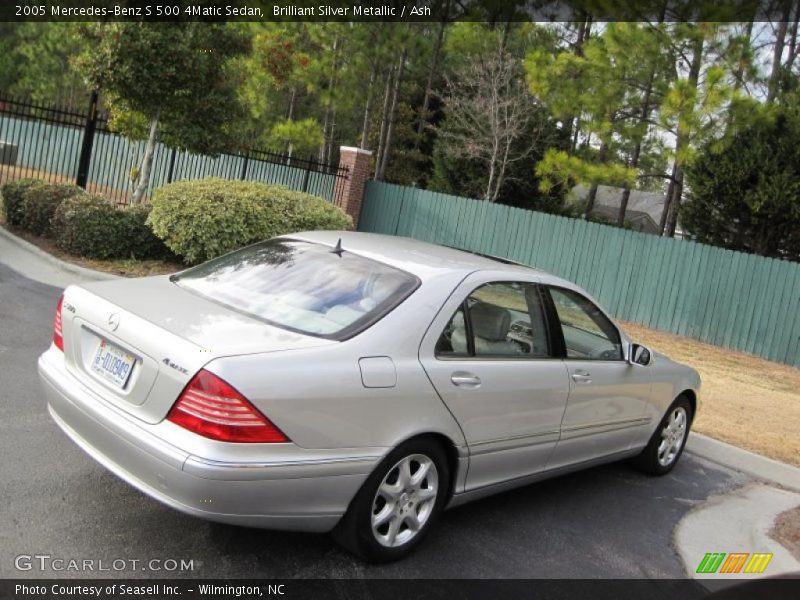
112 364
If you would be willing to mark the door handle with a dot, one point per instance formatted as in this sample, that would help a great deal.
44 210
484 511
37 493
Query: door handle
464 379
582 376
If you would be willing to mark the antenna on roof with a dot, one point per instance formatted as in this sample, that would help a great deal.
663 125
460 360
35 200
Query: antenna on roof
338 249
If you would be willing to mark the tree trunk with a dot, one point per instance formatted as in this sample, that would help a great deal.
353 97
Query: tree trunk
673 202
292 104
738 79
574 129
584 31
623 205
738 75
365 129
645 115
500 178
426 99
601 158
326 136
487 195
387 146
637 149
387 97
147 163
590 199
626 190
777 54
572 123
288 147
793 38
668 199
504 38
329 153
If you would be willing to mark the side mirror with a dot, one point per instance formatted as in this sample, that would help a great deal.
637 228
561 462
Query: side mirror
639 355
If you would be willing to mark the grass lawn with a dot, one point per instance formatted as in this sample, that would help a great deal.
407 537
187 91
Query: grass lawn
746 401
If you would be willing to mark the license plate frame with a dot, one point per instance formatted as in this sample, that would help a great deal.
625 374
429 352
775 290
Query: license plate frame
109 362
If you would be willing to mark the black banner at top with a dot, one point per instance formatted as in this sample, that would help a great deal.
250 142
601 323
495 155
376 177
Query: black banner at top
392 10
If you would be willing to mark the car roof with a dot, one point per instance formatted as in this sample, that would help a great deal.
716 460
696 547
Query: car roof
422 259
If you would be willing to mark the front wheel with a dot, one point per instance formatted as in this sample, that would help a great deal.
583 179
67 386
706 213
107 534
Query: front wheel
398 503
666 446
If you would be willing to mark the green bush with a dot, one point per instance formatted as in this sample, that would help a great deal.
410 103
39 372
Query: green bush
90 226
142 242
13 194
39 204
201 219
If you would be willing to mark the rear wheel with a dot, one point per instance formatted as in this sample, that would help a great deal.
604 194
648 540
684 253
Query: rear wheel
397 505
666 446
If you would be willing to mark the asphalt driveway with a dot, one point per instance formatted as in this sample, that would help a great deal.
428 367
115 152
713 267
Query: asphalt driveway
608 522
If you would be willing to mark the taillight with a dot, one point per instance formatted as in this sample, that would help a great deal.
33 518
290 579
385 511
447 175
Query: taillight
212 408
58 337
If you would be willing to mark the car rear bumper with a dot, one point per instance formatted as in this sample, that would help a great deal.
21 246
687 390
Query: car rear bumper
274 493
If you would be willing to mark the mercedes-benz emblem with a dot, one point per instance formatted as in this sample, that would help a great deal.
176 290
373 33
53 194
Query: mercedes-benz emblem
113 321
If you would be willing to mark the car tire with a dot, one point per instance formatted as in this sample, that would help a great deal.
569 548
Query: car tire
379 524
666 445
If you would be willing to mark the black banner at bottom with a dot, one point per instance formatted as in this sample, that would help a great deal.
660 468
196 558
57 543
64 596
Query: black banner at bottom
389 589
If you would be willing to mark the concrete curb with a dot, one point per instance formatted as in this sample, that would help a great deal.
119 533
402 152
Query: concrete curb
62 264
760 467
737 521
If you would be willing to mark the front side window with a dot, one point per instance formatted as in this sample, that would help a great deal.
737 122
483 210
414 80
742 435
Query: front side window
302 286
588 333
498 320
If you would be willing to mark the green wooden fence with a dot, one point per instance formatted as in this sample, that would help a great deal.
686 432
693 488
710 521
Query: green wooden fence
726 298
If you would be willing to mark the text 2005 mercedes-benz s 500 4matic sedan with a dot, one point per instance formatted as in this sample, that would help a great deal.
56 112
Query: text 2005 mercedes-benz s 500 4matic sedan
354 382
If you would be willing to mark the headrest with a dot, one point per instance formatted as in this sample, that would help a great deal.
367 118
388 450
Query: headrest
343 315
489 322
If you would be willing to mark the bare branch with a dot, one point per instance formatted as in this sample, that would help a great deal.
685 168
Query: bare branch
489 110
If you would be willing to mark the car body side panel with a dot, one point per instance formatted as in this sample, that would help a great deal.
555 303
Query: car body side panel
346 413
511 421
670 379
276 486
605 414
317 396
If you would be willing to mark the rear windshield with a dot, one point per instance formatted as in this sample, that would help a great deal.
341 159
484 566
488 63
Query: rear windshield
302 286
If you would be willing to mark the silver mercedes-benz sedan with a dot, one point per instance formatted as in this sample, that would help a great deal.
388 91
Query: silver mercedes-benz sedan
354 382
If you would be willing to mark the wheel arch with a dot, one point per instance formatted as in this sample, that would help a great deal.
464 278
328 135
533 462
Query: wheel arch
450 451
691 396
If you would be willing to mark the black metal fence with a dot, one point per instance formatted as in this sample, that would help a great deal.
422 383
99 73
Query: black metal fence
63 144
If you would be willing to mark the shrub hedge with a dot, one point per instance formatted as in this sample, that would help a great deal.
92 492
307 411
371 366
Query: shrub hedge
88 225
40 203
201 219
13 194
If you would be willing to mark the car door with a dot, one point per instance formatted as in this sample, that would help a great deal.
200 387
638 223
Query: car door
490 357
606 409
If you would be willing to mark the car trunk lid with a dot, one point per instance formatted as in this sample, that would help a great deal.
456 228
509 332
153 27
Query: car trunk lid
138 342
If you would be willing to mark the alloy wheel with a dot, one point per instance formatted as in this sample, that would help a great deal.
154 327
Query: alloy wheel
673 436
405 500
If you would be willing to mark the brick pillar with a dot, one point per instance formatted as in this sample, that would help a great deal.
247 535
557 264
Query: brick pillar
351 193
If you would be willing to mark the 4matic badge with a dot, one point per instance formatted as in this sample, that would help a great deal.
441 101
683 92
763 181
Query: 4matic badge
172 365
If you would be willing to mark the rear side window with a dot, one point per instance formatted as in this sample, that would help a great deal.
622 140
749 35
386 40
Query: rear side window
303 287
505 320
